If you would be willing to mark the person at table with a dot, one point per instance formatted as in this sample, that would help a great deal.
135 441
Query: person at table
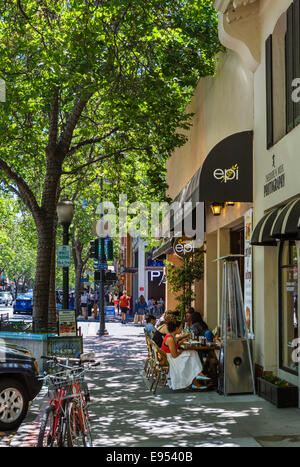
199 326
185 366
150 325
159 334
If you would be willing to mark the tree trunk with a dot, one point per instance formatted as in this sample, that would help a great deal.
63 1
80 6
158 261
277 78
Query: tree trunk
52 317
46 224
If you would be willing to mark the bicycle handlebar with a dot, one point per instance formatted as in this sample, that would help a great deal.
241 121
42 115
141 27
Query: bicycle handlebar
62 360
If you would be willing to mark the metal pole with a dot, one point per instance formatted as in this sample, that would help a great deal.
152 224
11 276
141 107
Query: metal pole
102 331
65 305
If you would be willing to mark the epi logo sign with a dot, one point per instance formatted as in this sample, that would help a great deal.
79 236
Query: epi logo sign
226 175
183 247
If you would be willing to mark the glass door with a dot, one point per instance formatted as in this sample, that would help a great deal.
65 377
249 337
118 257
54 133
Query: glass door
288 311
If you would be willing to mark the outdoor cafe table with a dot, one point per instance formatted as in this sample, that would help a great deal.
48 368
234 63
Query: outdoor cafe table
194 345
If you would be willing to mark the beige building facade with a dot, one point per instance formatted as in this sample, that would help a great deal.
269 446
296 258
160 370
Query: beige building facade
254 89
266 36
219 113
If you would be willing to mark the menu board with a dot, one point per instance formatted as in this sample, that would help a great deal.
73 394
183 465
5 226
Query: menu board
248 279
65 346
67 323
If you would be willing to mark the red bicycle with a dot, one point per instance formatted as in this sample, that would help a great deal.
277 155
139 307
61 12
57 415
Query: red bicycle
65 422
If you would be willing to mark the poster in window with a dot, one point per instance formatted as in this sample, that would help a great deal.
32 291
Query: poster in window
248 279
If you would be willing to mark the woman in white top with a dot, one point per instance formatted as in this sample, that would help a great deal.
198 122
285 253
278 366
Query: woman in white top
84 302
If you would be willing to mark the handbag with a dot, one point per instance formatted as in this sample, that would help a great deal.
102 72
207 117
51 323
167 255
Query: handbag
136 318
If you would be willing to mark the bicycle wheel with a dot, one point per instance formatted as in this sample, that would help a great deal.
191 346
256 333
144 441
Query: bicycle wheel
46 434
79 431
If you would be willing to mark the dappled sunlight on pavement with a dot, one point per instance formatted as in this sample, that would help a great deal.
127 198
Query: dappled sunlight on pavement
123 411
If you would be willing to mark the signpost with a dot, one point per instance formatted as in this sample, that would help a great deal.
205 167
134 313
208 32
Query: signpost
64 256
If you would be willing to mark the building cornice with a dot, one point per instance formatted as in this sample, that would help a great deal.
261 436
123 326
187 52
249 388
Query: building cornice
221 5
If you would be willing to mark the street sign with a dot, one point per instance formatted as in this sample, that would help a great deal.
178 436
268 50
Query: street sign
63 256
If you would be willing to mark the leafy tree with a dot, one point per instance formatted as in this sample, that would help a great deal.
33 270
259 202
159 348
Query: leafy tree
182 279
18 242
90 81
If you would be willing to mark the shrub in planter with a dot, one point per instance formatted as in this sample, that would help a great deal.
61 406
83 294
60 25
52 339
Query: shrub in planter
277 391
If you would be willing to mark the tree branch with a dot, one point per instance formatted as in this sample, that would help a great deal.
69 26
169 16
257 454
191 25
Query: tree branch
99 159
74 116
24 191
53 131
96 139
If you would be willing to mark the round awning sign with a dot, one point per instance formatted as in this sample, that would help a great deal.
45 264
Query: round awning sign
184 247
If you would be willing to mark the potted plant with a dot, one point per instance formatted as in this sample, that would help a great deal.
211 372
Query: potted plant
182 278
277 391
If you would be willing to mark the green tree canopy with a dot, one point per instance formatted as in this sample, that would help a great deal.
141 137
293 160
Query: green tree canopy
90 81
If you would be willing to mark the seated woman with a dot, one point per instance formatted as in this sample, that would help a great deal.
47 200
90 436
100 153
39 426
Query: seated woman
199 326
185 366
159 334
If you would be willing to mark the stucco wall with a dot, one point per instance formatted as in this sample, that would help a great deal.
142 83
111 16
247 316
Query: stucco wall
220 111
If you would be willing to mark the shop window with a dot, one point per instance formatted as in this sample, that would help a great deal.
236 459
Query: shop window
288 305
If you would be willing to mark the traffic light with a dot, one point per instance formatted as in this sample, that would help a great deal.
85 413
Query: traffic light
122 277
109 249
94 249
97 276
110 276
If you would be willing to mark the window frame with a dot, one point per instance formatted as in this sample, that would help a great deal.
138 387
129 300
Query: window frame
280 301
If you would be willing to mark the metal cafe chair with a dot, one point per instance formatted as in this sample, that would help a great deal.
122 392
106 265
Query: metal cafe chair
149 363
160 368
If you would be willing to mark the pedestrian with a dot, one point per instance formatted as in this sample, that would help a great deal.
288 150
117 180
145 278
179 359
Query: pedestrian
141 308
124 305
116 302
106 298
84 303
161 306
90 302
71 302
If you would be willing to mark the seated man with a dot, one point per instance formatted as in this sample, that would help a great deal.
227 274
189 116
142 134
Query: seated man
150 325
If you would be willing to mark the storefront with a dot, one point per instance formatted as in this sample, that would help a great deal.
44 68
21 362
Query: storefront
278 231
222 189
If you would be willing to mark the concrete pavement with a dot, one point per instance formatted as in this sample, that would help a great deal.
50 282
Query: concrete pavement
125 413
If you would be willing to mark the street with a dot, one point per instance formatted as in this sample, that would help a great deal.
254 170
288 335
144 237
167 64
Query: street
16 317
124 413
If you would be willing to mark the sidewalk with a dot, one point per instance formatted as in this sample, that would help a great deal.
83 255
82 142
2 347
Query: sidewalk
125 413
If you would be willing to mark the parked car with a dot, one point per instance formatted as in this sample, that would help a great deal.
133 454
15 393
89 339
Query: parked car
6 298
19 384
23 303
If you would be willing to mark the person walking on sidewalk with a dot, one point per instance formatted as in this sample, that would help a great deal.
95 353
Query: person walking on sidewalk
84 303
124 305
141 308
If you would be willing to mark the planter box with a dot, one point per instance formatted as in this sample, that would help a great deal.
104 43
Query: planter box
37 344
281 397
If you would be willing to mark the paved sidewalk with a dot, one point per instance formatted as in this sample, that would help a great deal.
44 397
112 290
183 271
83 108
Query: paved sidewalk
125 413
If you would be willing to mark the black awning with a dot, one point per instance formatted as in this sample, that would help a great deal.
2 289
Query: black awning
287 221
262 233
165 249
226 174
